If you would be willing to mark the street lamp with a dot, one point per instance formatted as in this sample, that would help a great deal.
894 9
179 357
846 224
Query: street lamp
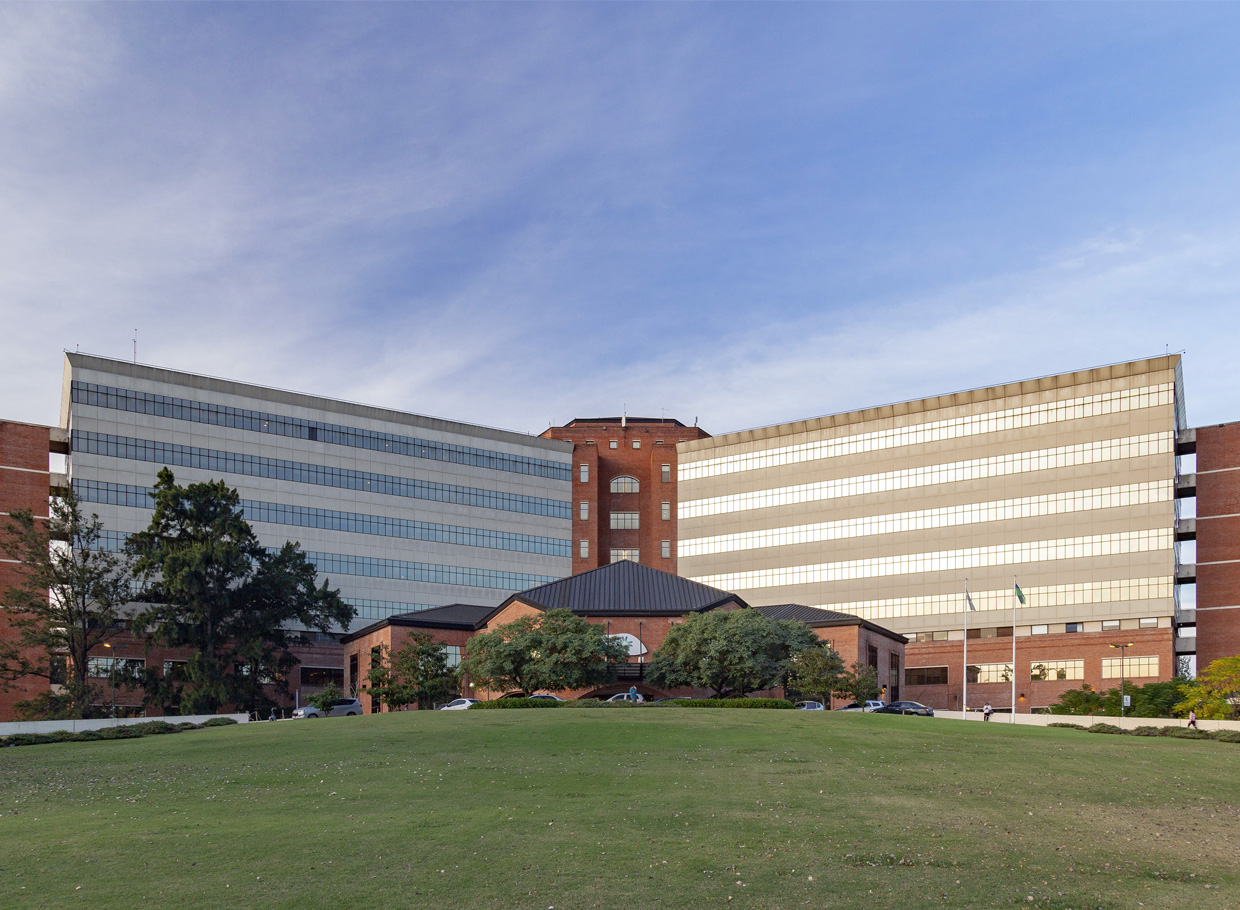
1122 649
112 675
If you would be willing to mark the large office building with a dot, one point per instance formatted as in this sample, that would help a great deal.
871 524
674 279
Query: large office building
401 512
1065 485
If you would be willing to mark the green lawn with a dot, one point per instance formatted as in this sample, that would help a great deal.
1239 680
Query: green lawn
629 808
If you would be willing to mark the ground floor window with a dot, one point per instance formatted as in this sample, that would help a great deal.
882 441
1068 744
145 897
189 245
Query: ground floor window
925 676
1133 667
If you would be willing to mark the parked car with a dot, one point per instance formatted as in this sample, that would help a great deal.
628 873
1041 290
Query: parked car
342 707
624 696
659 701
810 706
907 707
870 706
459 704
547 697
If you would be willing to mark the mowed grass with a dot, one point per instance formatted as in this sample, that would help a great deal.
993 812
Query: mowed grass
628 808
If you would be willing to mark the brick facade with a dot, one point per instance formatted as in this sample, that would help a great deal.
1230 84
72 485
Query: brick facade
592 440
25 483
1218 543
1089 647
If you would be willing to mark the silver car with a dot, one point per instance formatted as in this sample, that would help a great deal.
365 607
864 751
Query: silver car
342 707
460 704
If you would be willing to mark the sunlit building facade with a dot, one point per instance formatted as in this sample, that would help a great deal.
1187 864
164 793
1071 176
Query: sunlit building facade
1066 485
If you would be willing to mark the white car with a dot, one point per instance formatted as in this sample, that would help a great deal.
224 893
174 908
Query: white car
624 696
547 697
460 704
342 707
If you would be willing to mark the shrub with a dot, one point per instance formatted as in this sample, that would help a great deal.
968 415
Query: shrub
1227 736
1185 733
1105 728
508 704
1067 726
776 703
218 722
1146 731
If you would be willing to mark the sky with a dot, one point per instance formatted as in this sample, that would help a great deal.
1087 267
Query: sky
514 215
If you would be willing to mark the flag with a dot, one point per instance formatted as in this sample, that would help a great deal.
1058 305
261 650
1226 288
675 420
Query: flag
1020 595
969 599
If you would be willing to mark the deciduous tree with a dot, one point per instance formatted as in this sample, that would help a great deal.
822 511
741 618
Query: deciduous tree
860 683
729 652
1215 693
553 650
817 671
69 600
416 674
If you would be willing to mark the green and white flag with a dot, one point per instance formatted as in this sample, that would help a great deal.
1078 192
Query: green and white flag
1020 595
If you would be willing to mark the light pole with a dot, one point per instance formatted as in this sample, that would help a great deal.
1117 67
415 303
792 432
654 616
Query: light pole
112 676
1122 649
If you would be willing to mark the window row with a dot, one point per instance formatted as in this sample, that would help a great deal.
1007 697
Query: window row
399 570
618 554
1093 592
625 484
624 521
1061 628
320 475
932 475
349 522
929 519
947 560
100 396
382 609
1136 667
123 666
935 431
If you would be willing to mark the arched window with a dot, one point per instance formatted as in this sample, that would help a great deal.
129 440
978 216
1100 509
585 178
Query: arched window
624 484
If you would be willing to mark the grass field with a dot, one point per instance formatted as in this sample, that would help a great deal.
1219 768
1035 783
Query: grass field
630 808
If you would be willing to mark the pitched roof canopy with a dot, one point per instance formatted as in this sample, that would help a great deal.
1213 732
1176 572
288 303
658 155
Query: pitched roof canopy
626 588
817 618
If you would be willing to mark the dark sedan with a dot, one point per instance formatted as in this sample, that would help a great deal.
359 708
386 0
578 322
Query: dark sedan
906 707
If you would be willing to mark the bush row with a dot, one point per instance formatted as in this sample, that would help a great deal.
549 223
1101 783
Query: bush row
1222 736
518 703
128 731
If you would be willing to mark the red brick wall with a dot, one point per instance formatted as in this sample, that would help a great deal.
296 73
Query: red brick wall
1218 543
592 443
394 638
24 484
1091 647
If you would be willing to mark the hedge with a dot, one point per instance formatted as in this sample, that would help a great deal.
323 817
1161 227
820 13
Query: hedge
128 731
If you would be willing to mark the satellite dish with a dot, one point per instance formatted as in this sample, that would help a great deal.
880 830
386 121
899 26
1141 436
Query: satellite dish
635 646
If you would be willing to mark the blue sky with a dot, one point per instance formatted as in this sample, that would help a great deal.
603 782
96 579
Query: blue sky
514 215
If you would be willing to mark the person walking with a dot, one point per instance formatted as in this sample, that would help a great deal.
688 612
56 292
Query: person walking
987 711
1192 720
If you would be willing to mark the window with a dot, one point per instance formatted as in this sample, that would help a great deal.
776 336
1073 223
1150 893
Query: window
624 521
665 511
583 511
583 473
872 656
618 555
925 676
102 666
174 669
583 549
612 444
453 653
893 666
323 676
665 549
1150 622
1073 627
1110 625
353 680
1037 630
665 473
637 443
1133 667
990 673
624 484
1056 669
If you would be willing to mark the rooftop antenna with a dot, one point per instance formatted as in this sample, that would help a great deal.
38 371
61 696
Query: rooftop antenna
662 415
695 421
135 347
624 415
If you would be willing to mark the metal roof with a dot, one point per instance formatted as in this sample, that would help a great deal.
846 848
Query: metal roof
470 617
626 588
817 618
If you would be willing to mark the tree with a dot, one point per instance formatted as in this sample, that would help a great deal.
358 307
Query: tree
212 587
1157 699
817 671
1213 694
416 674
68 600
860 683
325 699
730 652
553 650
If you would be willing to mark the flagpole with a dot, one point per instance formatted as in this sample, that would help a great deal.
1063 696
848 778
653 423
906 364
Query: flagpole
1015 601
964 696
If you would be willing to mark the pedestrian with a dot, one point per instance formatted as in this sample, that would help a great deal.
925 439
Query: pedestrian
1192 720
987 711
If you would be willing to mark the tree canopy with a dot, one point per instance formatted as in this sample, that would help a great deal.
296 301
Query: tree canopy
730 652
817 670
69 599
860 683
1214 693
210 586
418 673
552 650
